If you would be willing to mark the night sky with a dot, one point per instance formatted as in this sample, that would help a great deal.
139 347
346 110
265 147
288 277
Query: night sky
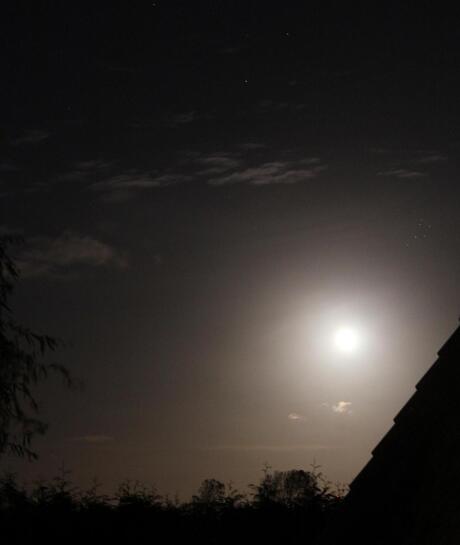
210 192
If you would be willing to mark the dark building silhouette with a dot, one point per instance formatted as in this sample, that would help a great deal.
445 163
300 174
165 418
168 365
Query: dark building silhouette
409 492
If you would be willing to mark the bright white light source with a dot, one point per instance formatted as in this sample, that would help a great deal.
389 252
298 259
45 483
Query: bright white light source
346 340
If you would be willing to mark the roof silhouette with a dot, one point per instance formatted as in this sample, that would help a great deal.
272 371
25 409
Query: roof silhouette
408 493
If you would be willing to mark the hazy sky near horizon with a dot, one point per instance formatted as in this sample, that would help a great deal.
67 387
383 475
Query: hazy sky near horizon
209 192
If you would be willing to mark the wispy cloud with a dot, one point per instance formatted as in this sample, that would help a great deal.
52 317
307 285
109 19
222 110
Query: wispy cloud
183 118
243 166
87 170
137 180
250 146
31 136
217 168
218 163
101 177
123 187
296 417
59 256
270 173
269 448
402 173
342 407
118 185
429 158
91 164
409 163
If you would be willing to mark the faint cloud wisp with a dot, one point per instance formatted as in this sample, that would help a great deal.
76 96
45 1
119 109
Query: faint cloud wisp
402 173
270 173
269 448
342 407
31 136
58 256
296 417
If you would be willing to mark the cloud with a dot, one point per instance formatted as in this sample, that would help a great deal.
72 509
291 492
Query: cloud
410 163
221 160
92 164
31 136
93 439
123 187
431 158
215 169
183 119
270 448
137 180
296 417
249 146
217 163
88 170
57 256
342 407
402 173
270 173
226 168
101 176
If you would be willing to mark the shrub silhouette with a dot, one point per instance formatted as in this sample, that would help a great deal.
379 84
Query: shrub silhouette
288 507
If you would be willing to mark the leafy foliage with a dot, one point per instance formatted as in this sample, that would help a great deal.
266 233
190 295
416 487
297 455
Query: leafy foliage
216 495
23 363
293 488
58 512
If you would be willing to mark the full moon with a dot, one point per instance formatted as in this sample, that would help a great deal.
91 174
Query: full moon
346 340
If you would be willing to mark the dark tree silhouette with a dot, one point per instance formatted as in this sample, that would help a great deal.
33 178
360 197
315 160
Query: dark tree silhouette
55 511
23 363
216 495
210 491
293 488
